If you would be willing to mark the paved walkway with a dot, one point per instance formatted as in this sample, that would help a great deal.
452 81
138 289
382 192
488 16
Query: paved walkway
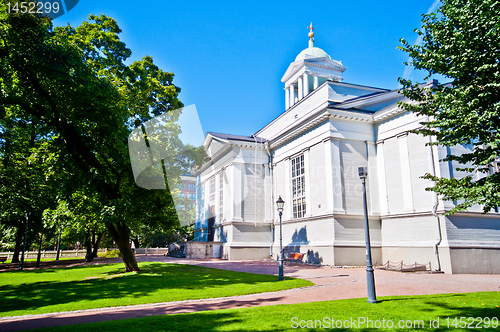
330 284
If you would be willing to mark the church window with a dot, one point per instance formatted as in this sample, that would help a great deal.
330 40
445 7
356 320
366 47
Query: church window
298 187
211 195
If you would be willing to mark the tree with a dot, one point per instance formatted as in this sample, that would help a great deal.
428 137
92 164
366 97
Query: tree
23 175
75 84
461 41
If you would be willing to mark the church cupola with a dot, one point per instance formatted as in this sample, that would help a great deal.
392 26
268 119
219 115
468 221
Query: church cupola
311 68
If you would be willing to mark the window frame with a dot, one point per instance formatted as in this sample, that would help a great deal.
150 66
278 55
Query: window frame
298 186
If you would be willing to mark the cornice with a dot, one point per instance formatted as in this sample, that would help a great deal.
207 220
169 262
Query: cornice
349 116
333 114
327 216
388 113
325 66
440 213
299 130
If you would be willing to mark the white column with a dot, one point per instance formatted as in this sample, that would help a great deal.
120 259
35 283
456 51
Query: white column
287 197
338 188
287 98
292 94
237 192
300 88
373 181
217 202
268 189
329 176
306 84
384 207
315 82
404 159
334 188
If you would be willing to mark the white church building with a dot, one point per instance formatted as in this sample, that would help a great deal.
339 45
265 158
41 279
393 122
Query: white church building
310 154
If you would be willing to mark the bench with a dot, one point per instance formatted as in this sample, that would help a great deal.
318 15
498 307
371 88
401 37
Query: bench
294 257
3 259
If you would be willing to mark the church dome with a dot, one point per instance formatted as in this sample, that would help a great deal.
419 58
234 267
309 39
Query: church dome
312 52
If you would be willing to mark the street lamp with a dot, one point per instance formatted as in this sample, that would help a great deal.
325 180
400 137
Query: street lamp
280 203
370 279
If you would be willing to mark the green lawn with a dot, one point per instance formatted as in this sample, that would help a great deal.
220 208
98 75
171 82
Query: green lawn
97 286
478 309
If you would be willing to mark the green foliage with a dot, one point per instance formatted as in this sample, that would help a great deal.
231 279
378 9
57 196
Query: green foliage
109 254
7 238
461 41
68 103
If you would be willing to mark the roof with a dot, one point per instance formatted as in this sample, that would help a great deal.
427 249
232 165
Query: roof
237 137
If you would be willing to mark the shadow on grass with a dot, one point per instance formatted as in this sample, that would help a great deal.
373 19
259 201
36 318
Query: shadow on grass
280 317
178 282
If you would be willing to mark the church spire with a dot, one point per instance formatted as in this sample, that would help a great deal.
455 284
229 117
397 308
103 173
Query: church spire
311 35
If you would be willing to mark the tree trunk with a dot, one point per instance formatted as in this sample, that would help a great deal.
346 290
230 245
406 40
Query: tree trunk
58 246
39 256
121 234
88 245
19 242
136 241
96 244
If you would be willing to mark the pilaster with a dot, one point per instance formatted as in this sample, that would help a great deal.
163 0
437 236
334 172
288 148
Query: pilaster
338 189
237 180
404 159
384 206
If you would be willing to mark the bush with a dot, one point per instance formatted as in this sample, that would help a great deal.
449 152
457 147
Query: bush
109 254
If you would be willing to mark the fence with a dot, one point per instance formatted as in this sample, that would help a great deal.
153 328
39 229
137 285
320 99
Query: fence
80 253
400 266
50 254
151 251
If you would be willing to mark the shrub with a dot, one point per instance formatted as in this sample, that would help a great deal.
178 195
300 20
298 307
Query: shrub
109 253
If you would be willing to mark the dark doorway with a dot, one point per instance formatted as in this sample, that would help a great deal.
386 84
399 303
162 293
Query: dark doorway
210 231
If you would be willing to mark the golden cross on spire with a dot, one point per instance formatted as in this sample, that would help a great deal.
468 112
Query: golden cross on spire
311 33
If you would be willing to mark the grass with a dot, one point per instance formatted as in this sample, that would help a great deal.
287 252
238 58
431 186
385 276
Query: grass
97 286
411 310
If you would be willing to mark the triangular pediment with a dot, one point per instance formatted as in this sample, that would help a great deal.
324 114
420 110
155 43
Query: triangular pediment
322 66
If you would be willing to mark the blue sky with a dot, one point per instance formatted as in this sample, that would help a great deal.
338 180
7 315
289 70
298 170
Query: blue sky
228 57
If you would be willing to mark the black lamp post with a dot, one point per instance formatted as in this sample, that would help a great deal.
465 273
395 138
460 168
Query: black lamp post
370 279
280 203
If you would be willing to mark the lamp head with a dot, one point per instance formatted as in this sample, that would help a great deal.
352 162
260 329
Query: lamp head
280 203
363 172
